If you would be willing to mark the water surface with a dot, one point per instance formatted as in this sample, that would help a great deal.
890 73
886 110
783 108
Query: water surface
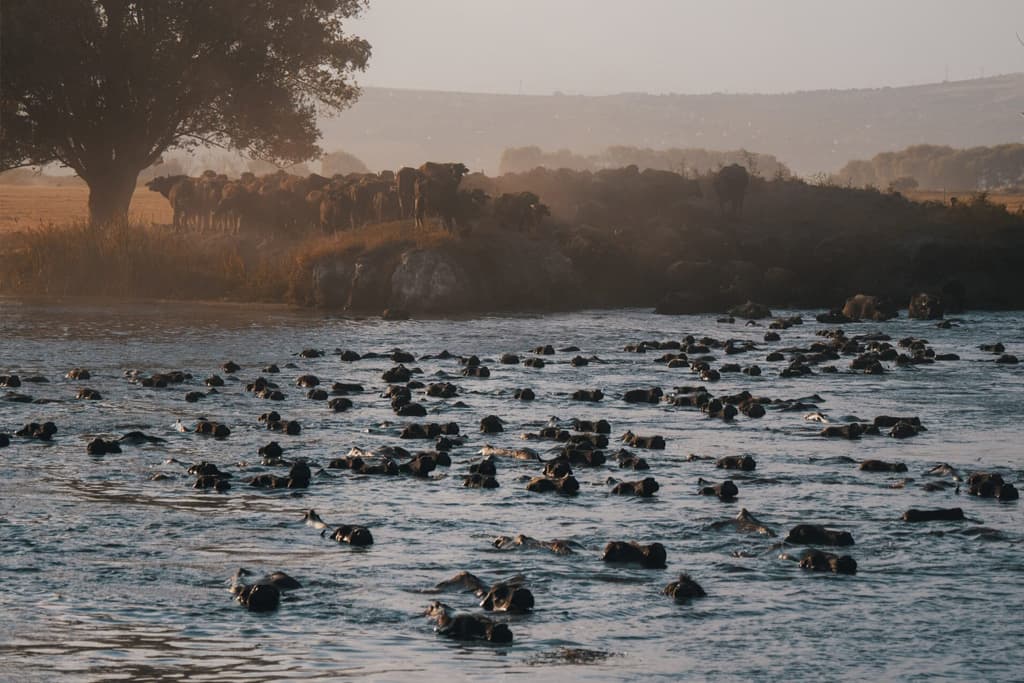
110 575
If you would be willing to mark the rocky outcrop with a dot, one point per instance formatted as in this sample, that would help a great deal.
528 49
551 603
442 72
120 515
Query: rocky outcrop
431 281
449 280
332 283
371 284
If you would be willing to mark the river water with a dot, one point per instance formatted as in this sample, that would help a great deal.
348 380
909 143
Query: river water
110 575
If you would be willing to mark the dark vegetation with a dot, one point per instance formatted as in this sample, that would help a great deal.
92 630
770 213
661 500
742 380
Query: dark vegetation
133 80
690 161
939 167
121 260
628 226
618 237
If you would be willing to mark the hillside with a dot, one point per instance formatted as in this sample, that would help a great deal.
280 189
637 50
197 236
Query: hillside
811 132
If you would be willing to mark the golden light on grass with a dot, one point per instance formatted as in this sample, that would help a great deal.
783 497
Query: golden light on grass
1014 203
24 207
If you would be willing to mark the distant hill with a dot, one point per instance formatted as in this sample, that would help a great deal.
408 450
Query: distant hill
811 132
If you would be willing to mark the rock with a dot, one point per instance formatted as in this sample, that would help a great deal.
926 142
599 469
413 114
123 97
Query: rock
431 281
332 283
371 284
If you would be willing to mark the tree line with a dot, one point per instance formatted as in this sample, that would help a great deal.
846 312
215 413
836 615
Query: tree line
689 161
939 167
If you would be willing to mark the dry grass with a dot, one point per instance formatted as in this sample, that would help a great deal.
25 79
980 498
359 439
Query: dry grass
1014 203
397 235
140 261
51 250
27 207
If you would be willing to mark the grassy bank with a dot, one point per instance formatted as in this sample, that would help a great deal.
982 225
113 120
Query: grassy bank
609 243
139 260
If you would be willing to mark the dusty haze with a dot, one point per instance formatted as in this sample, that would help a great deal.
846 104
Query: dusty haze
816 84
599 47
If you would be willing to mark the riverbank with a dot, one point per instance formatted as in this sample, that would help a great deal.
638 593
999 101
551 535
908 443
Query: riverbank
610 244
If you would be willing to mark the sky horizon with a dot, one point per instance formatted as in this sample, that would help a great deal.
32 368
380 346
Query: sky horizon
603 47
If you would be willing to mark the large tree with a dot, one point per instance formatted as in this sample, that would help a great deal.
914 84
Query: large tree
107 86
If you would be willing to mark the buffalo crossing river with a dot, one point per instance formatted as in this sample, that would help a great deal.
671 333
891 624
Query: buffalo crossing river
109 575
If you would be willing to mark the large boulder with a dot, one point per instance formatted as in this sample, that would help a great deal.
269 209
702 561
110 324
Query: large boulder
924 306
371 284
431 281
332 283
865 307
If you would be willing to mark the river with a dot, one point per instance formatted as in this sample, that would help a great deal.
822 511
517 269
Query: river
110 575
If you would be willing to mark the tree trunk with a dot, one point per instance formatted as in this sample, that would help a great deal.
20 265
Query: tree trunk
110 194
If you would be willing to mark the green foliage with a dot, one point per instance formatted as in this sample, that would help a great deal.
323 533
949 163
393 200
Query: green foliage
105 87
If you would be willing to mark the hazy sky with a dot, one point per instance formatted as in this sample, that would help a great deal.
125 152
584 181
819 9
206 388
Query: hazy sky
686 46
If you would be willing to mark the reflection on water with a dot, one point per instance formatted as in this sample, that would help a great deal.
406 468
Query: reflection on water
111 575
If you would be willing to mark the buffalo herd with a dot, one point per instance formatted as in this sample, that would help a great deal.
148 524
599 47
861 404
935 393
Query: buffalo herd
291 203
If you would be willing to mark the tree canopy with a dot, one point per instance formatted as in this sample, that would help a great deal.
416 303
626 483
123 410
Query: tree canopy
105 87
937 167
692 160
341 162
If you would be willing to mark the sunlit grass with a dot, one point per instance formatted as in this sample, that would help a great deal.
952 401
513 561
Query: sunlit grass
139 260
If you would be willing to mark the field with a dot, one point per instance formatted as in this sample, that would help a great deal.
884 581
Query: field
25 207
1013 202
